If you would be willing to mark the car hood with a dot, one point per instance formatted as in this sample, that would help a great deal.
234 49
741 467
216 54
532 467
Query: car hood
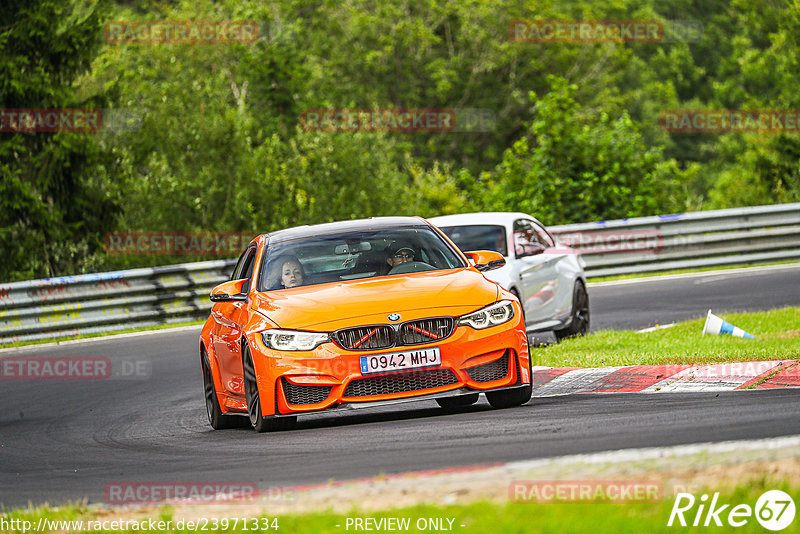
336 304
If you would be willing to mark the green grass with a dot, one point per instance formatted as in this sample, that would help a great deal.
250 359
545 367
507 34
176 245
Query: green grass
683 271
776 331
102 334
491 517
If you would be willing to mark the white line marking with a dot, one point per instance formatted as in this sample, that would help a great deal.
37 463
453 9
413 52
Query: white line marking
654 328
111 337
657 453
732 272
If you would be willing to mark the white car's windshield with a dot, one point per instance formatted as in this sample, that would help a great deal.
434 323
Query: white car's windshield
478 237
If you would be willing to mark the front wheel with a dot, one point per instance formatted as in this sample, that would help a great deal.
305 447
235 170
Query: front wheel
257 419
509 398
216 418
579 324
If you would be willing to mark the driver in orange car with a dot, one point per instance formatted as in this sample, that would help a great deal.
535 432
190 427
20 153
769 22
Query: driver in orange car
399 253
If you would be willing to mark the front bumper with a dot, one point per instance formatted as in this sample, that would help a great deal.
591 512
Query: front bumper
330 377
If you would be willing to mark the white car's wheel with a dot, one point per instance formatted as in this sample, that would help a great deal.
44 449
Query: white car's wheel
579 323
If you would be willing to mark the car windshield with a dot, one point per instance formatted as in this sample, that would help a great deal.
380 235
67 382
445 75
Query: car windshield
350 255
478 237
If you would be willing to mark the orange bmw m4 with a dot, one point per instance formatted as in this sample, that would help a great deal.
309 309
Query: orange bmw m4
358 314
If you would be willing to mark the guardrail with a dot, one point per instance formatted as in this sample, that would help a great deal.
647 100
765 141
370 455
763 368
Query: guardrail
687 241
60 307
67 306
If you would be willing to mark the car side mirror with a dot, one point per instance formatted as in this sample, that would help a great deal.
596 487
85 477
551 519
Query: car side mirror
529 249
229 291
486 260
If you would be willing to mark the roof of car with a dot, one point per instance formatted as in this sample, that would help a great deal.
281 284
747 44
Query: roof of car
488 217
373 223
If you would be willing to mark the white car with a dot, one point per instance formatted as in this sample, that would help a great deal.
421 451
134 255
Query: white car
546 275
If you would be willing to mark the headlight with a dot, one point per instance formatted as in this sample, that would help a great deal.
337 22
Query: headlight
294 339
493 315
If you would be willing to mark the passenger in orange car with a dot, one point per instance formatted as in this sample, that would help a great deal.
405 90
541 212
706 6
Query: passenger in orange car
399 253
287 272
292 273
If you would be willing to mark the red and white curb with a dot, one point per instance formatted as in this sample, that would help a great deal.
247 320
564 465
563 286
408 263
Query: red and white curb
549 381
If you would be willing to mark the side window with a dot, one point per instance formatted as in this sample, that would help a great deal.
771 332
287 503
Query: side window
249 263
244 268
527 240
239 266
544 236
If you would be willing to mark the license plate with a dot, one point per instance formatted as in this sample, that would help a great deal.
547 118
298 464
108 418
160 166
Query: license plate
400 361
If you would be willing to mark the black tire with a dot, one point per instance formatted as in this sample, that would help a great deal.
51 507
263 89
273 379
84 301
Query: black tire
522 307
458 402
579 323
257 420
509 398
217 419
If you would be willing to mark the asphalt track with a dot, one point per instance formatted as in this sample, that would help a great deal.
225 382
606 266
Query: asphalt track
62 440
640 303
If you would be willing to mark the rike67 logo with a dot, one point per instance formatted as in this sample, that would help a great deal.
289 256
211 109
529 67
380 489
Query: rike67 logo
774 510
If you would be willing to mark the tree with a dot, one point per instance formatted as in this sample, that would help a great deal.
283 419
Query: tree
573 166
52 208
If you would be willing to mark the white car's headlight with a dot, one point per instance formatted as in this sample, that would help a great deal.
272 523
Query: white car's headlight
294 339
493 315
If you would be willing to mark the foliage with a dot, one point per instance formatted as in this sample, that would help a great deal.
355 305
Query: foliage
209 136
53 206
574 166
